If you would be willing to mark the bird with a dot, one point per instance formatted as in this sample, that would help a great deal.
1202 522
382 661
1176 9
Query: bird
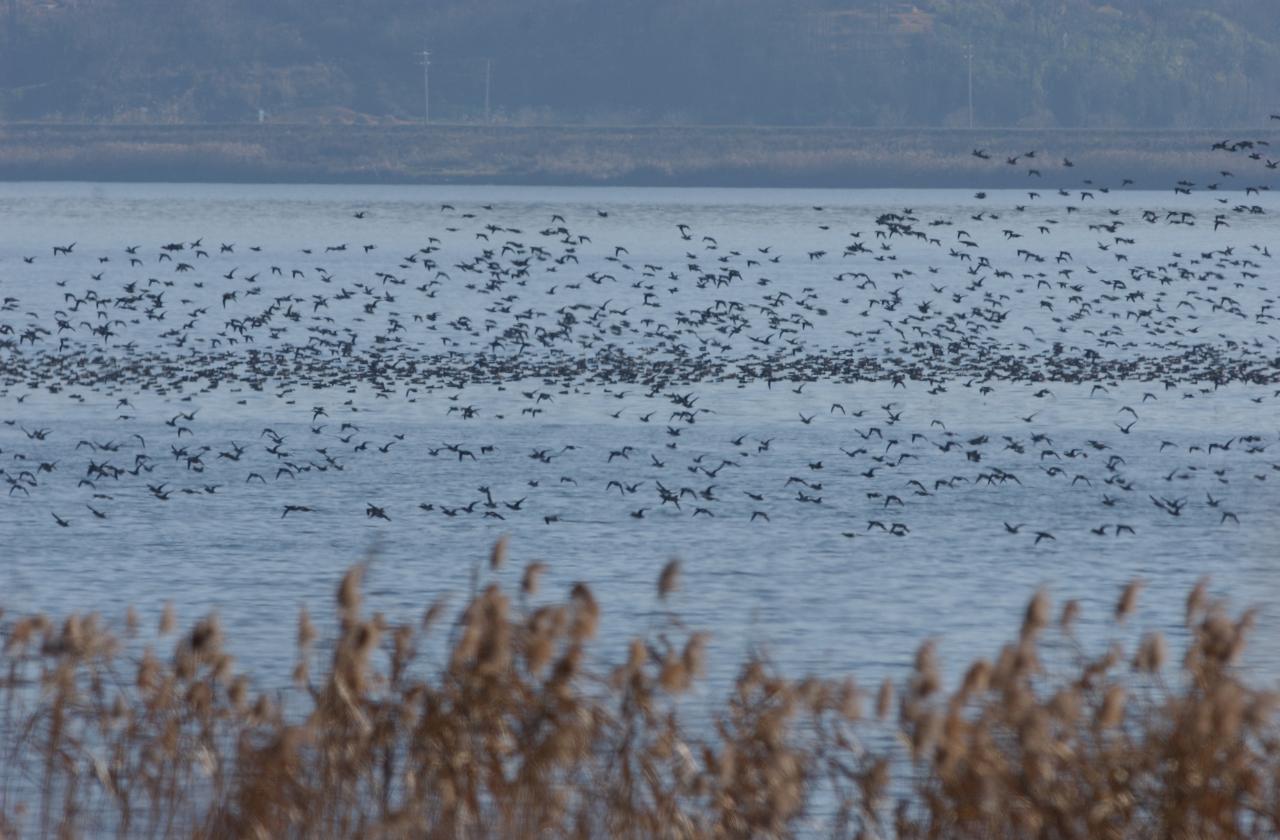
710 323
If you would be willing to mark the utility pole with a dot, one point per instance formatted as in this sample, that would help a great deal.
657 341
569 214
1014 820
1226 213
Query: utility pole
968 51
488 67
425 60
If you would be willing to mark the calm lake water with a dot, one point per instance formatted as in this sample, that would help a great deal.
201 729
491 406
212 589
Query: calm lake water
855 397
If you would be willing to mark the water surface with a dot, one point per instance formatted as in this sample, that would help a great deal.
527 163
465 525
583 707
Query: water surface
900 376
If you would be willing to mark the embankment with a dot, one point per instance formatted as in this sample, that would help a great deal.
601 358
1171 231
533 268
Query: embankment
650 156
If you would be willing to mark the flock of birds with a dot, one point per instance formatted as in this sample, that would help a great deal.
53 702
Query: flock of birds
486 326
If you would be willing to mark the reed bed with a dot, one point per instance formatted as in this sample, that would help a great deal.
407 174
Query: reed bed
512 730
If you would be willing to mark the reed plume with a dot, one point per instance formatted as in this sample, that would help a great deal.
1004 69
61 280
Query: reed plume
523 729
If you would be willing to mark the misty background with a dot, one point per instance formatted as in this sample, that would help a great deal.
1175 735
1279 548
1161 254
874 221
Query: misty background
1041 63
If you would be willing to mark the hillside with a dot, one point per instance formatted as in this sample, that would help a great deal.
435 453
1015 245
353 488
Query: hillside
1067 63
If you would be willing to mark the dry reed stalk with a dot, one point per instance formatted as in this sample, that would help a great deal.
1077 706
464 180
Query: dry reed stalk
515 735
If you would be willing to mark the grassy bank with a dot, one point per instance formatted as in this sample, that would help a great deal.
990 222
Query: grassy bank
510 730
677 156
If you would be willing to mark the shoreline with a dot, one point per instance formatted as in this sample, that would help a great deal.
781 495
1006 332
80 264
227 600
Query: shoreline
731 156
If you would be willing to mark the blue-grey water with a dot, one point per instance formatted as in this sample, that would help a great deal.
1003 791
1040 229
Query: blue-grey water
854 397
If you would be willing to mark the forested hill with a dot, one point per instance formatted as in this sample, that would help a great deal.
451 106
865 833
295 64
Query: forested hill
1035 63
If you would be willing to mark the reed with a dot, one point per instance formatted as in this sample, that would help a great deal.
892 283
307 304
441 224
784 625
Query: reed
513 731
